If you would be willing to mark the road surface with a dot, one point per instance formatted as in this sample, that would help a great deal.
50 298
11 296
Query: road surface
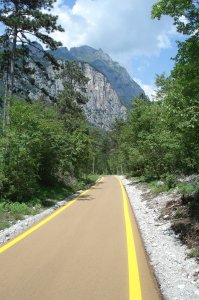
85 251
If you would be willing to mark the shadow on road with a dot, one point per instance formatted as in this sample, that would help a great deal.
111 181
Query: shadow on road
86 198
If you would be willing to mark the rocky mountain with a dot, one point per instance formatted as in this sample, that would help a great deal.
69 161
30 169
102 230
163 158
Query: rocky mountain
109 90
103 104
125 87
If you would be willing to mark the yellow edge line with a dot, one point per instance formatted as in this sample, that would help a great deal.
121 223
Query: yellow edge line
44 221
134 279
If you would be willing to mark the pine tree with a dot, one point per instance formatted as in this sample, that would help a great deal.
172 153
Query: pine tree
72 98
24 20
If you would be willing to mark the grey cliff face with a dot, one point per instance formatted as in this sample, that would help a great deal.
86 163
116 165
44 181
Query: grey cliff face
125 87
110 89
103 105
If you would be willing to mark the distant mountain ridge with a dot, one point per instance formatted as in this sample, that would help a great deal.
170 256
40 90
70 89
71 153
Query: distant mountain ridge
125 87
109 91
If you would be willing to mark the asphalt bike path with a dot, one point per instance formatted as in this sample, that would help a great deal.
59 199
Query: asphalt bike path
90 249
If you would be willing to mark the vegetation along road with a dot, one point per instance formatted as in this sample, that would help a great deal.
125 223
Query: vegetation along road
88 249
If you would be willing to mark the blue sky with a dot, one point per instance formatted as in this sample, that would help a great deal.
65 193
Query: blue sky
124 30
70 3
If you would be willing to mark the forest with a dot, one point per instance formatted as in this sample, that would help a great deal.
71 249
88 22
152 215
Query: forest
160 137
48 149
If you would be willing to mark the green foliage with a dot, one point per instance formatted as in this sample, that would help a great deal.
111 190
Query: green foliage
18 209
4 224
73 95
55 193
194 252
160 139
176 9
92 178
185 16
158 187
10 212
147 146
69 106
170 180
188 188
190 198
22 20
37 150
46 196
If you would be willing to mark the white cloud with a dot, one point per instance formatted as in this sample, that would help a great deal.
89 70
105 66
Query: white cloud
149 89
116 27
183 19
163 41
124 30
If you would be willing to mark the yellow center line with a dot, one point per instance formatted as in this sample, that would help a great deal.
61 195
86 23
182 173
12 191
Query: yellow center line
44 221
134 279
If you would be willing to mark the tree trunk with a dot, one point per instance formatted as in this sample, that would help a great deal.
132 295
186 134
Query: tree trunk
5 104
11 74
12 63
122 170
93 165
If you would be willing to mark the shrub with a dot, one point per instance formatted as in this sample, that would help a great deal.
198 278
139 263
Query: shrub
170 181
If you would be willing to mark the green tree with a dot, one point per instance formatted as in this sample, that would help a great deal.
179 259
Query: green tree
185 14
180 90
181 116
70 101
22 20
70 108
146 144
160 138
39 150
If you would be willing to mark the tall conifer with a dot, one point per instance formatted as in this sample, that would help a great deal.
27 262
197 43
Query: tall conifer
24 21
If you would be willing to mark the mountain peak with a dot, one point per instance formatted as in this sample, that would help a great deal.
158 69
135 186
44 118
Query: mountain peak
36 49
125 87
82 51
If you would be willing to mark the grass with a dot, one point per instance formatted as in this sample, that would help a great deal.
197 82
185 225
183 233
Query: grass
49 195
194 253
92 178
157 187
46 197
188 188
166 183
84 181
12 211
4 224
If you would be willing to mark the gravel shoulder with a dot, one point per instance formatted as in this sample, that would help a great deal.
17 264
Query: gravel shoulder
177 275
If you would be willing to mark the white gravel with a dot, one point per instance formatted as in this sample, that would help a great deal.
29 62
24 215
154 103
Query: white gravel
175 273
